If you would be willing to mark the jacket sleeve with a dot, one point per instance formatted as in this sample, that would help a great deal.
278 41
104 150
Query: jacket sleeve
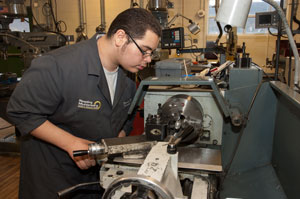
36 96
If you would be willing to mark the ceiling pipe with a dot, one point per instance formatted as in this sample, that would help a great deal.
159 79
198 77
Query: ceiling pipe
101 28
81 35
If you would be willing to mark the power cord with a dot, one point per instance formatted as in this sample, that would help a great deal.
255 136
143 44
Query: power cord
275 34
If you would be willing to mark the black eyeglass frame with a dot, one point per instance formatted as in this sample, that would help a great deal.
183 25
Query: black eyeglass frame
140 49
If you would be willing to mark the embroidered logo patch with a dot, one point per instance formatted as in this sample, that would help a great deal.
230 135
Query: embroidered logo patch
86 104
127 103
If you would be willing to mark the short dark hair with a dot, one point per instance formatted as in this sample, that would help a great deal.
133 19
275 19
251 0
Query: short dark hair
135 21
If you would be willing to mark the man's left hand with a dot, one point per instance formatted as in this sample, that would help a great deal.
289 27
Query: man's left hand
122 134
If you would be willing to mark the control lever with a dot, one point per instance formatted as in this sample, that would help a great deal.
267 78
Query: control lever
80 153
175 140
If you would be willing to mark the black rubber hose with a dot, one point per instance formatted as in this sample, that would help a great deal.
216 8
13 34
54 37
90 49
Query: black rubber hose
221 32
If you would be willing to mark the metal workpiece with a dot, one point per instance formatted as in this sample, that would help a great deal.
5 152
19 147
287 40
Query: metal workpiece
127 144
120 145
130 147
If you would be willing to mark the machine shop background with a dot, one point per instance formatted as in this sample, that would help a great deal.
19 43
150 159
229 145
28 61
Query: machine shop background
260 46
267 149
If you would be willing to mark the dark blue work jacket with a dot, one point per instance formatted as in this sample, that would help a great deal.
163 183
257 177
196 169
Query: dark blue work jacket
67 87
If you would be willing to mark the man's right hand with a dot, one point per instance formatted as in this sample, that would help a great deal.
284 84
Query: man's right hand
66 141
83 162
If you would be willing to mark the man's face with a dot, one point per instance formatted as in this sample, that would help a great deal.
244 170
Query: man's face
136 55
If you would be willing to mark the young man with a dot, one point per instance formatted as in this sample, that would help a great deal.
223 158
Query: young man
77 95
